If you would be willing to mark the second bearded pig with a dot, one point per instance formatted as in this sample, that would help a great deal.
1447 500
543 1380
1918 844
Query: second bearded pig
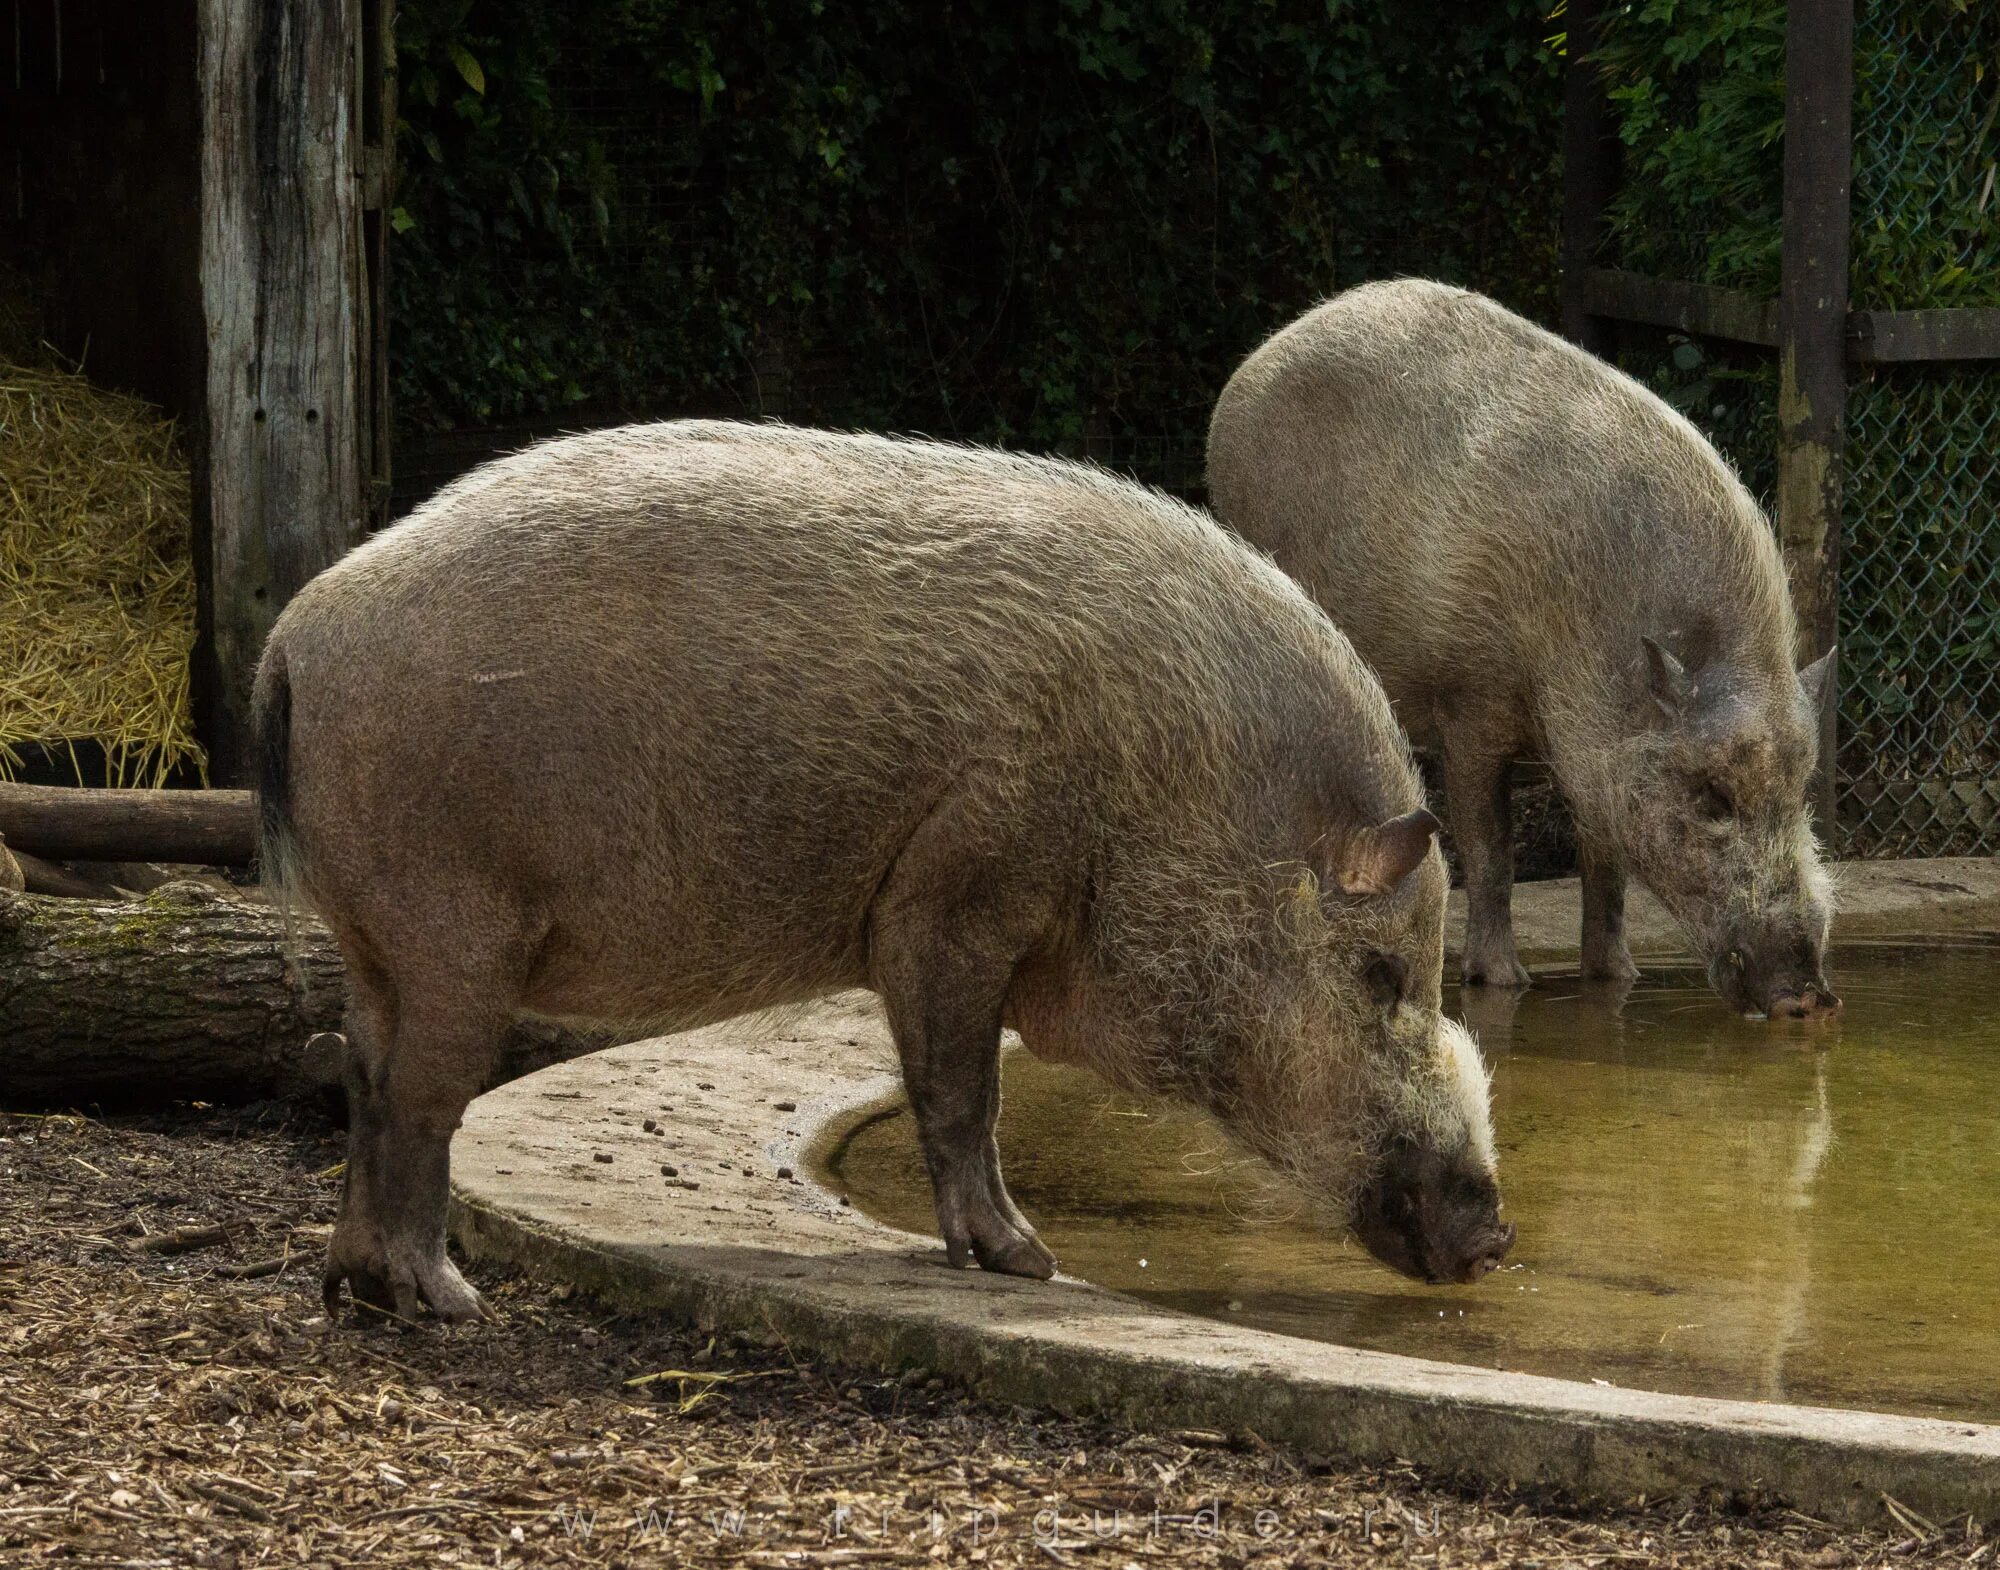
1540 558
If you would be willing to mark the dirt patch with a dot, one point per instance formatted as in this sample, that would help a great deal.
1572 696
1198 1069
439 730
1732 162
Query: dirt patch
170 1408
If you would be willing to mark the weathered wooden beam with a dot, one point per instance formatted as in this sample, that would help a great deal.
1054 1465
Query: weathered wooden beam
1590 172
1812 326
376 134
1705 309
1873 337
281 475
1898 337
71 823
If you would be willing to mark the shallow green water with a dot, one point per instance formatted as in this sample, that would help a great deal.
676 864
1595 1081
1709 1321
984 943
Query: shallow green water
1706 1204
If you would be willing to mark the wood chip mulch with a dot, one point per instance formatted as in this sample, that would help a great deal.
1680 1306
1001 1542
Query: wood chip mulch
171 1394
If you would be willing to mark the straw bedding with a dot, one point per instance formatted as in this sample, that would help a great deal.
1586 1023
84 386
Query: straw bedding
96 581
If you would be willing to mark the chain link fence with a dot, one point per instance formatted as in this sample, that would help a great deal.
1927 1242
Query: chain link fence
1919 760
1920 572
1920 615
1918 771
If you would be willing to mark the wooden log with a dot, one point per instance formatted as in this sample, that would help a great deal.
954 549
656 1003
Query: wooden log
183 994
103 879
256 1272
181 1240
64 823
52 877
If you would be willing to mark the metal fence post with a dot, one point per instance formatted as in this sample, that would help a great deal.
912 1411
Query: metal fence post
1590 172
1812 327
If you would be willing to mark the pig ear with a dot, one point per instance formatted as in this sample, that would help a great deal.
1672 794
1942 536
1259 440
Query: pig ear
1666 679
1379 857
1816 681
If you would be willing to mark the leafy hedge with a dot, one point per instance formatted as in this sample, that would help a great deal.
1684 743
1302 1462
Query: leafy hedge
1048 222
1698 93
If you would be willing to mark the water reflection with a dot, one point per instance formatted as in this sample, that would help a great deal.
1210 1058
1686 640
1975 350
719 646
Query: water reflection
1705 1203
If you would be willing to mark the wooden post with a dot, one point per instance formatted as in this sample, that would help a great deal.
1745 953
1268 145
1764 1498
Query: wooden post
1812 328
1590 173
377 135
282 480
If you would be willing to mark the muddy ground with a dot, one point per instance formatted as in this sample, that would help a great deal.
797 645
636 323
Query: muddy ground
162 1408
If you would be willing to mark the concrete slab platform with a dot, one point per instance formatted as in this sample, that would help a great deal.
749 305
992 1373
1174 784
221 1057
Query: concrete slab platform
559 1174
1873 899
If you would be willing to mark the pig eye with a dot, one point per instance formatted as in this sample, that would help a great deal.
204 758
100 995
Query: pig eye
1715 803
1384 975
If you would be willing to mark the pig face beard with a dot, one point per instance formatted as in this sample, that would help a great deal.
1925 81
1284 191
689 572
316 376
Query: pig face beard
1718 878
1328 1155
1260 1015
1448 1105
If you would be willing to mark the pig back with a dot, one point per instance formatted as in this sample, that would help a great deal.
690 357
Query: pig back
687 689
1479 505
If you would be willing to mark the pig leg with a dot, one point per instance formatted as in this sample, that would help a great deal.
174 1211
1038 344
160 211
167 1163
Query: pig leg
416 1055
1605 956
1477 787
946 935
946 1020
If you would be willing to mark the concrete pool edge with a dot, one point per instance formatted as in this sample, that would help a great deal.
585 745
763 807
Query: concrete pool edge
558 1174
1590 1443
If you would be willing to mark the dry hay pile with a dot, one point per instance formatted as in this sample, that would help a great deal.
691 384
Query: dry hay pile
97 597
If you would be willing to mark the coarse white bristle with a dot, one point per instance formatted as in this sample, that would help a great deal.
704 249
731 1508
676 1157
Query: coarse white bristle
1470 1083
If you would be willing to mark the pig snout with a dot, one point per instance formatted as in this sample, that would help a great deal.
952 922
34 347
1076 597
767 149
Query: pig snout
1779 981
1817 1000
1432 1220
1485 1254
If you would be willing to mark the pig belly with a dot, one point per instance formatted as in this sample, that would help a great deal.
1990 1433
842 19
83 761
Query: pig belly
664 967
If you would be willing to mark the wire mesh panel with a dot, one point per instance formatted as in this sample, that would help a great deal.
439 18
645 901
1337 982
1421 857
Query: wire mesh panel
1926 220
1920 574
1920 614
1699 94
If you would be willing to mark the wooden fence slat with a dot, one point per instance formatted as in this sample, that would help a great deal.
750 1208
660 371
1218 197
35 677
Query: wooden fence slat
1903 337
1706 309
376 137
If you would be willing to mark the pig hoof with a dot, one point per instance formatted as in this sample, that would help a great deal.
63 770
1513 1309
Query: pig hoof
371 1292
1017 1256
400 1294
1617 967
1008 1251
451 1297
1495 973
